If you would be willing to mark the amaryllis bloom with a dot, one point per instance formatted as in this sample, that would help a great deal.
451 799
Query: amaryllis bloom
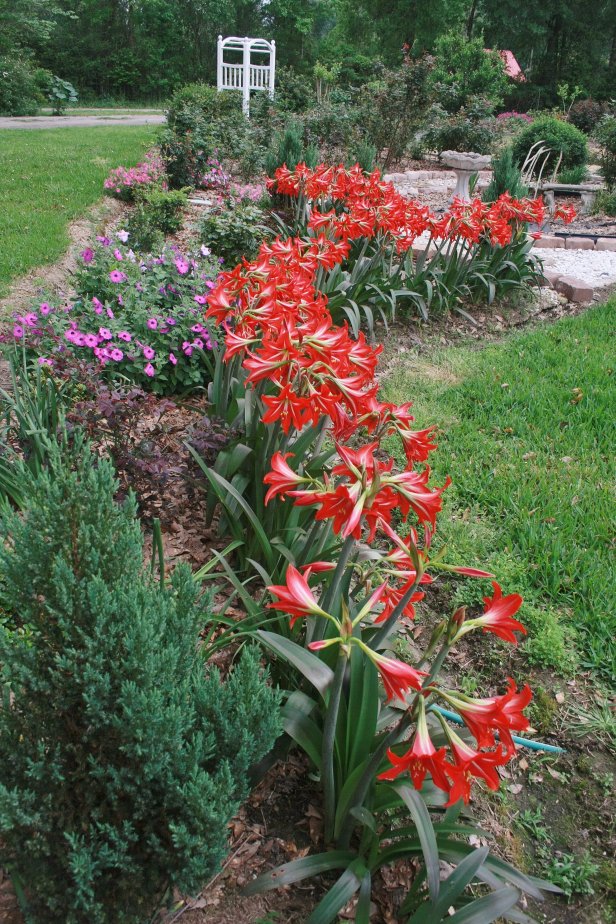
470 764
87 255
281 477
398 678
149 370
125 336
122 236
494 715
497 617
148 352
172 359
152 323
117 276
295 597
421 758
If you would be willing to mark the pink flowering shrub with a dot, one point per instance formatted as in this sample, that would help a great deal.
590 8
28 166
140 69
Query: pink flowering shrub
125 182
213 176
141 319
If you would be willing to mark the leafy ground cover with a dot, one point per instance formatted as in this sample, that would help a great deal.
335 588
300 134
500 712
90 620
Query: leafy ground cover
528 437
47 179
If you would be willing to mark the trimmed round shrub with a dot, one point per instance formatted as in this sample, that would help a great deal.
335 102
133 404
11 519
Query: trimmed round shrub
560 136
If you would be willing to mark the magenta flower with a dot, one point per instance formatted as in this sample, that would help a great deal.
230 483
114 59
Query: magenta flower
117 276
201 299
171 322
152 323
118 254
105 333
44 308
98 305
172 359
91 340
110 313
44 362
148 352
87 255
79 339
198 343
182 266
187 347
210 284
31 319
125 336
18 331
197 328
149 370
104 241
116 354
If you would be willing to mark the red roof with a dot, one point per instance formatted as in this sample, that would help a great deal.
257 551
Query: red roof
512 68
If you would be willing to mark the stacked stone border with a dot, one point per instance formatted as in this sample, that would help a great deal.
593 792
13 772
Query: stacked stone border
574 289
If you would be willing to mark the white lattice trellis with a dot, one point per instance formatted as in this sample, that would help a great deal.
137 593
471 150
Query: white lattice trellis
246 76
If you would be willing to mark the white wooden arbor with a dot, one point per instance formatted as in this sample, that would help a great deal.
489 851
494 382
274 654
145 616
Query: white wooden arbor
246 76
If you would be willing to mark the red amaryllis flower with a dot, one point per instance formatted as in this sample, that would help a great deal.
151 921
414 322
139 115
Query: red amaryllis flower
497 617
502 714
412 487
281 477
471 764
398 678
295 597
421 758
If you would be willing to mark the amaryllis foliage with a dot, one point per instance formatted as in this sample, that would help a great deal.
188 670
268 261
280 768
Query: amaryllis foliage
342 537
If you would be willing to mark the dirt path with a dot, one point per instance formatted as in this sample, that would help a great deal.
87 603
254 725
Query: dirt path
77 121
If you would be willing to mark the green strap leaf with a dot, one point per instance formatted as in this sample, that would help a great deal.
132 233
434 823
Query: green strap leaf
314 670
487 909
297 870
425 831
451 889
337 897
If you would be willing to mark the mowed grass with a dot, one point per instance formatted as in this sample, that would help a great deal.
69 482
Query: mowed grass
47 179
528 436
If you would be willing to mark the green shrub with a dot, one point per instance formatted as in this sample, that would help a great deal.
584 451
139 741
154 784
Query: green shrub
459 132
121 759
234 232
288 148
19 91
157 212
606 136
506 177
463 69
364 154
201 122
61 94
560 136
391 109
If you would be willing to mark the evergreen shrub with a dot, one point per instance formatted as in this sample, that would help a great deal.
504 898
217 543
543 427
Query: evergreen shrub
559 136
122 758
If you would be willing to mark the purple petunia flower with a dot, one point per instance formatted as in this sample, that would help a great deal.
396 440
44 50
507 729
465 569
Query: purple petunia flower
152 323
91 340
198 343
172 359
87 255
182 266
103 240
44 308
149 370
118 254
18 331
197 328
117 276
148 352
105 333
187 348
116 354
42 361
30 319
124 335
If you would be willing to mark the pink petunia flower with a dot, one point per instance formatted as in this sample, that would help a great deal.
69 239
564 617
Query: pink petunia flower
149 370
172 359
182 266
116 354
91 340
105 333
122 236
152 323
87 255
117 276
125 336
148 352
44 308
18 331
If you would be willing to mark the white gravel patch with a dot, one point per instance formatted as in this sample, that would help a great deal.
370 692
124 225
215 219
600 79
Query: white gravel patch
595 267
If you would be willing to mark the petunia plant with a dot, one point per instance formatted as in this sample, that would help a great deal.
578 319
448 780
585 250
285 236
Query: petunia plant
135 318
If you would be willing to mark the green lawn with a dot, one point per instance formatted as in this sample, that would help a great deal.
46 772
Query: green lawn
528 438
49 178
